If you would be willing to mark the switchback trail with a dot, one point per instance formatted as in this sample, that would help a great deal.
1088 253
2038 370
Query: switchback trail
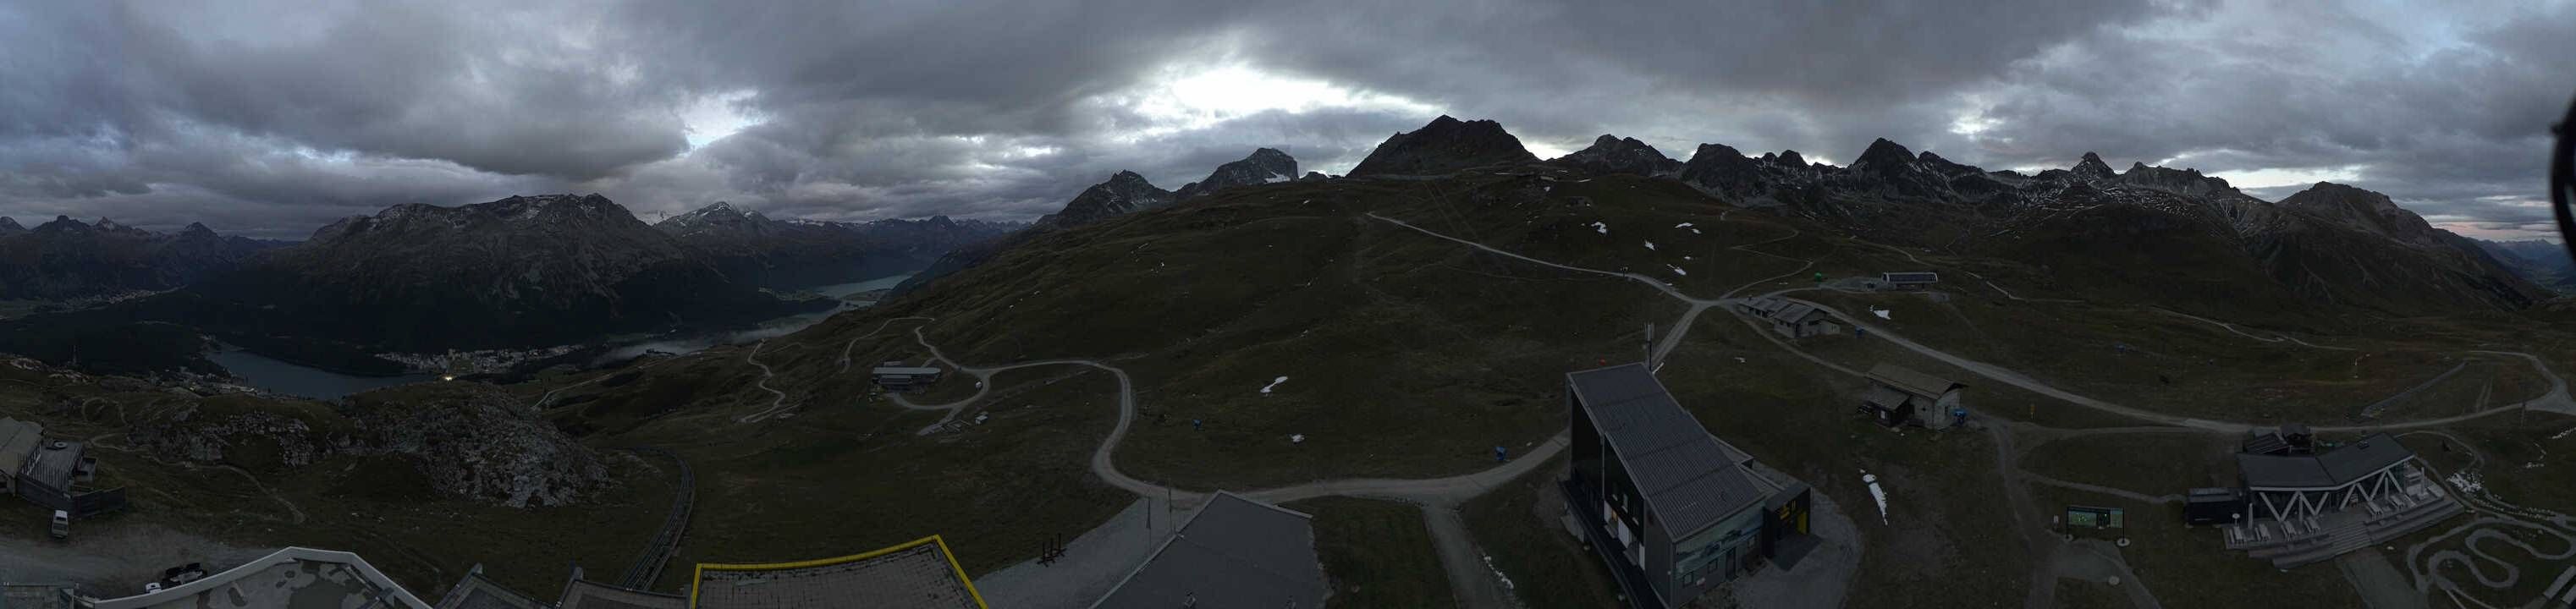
777 404
1438 497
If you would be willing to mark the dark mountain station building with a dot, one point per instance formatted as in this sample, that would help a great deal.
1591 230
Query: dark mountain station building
1674 511
2302 505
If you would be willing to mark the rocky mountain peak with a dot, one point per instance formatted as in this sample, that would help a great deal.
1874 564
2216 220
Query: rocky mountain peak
1614 154
1263 166
1884 158
2091 168
10 225
719 216
1124 192
196 229
2363 210
1791 158
63 224
2182 181
1445 145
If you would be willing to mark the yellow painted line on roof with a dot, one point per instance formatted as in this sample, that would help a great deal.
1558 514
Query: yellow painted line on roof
961 572
703 568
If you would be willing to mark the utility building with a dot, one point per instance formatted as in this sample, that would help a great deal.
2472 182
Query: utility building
52 473
1909 280
1672 510
1900 395
896 377
1791 318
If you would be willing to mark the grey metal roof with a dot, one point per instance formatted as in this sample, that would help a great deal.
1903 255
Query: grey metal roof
1883 397
1234 552
53 466
1907 380
585 594
17 439
477 592
2332 469
1911 277
1687 479
1793 312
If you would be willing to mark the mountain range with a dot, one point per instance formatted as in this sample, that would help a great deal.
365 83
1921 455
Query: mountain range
67 258
2542 262
789 254
523 271
2138 233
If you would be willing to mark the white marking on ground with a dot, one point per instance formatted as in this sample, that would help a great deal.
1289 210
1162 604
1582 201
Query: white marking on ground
1273 383
1877 493
1650 245
1677 270
1881 313
1603 228
1682 225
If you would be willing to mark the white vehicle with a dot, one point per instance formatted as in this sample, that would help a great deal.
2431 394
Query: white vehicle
62 528
152 587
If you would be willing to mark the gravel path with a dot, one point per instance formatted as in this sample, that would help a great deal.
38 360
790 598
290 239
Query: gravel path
114 558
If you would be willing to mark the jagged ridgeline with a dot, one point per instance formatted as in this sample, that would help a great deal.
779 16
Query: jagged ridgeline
2151 234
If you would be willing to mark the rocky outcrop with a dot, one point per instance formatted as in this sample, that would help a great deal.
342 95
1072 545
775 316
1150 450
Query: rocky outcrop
467 441
1445 145
1264 166
478 442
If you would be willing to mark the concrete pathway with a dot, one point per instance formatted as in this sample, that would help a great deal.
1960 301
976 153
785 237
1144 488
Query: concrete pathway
1092 564
1471 582
2096 488
2232 328
1822 578
2380 584
2097 560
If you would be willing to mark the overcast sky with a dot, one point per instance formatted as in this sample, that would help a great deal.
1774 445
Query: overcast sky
273 118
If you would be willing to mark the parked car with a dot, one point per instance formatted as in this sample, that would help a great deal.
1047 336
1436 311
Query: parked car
62 528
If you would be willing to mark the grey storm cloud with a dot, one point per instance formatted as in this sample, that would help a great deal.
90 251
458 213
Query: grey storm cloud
275 117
